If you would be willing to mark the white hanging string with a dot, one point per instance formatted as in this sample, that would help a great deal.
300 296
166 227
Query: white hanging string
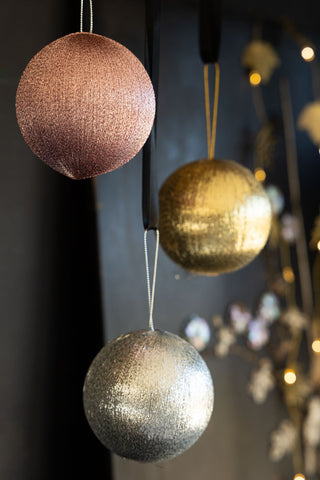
151 290
81 16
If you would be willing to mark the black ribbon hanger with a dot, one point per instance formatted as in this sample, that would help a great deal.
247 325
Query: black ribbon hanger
209 30
149 182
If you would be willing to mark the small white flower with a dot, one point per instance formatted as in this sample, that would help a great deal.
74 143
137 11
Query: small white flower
311 428
240 317
309 120
290 228
283 440
258 334
262 57
310 459
294 319
261 382
226 338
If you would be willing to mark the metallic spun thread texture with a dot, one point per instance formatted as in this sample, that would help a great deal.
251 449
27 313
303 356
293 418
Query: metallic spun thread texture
214 216
85 105
148 395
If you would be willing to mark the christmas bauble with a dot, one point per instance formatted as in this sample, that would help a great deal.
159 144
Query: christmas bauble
214 216
148 395
85 105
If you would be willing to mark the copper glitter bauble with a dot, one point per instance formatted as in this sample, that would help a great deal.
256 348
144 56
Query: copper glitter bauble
214 216
85 105
148 395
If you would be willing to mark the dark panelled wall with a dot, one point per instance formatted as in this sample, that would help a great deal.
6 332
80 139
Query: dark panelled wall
236 443
50 327
51 321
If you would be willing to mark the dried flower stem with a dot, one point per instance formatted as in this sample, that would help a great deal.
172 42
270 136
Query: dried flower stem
285 261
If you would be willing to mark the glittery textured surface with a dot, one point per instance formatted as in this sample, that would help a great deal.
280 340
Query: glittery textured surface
214 216
148 395
85 105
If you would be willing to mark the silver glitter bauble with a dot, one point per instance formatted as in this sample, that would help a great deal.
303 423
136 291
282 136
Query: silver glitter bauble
148 395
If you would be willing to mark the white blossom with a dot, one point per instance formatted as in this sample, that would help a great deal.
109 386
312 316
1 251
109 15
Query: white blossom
290 228
283 440
309 120
294 319
262 382
311 427
262 57
226 338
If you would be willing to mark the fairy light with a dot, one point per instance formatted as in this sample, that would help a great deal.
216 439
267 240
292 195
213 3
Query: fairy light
307 53
290 376
318 245
288 274
260 174
299 476
254 78
316 345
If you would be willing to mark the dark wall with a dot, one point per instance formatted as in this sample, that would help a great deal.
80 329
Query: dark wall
51 322
50 326
236 444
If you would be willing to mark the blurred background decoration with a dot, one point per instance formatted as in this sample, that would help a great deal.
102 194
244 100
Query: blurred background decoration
73 261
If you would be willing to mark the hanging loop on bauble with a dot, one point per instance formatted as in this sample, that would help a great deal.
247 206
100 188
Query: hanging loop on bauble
91 17
211 127
150 289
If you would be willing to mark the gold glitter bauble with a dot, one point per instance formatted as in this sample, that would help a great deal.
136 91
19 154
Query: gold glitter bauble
214 216
85 105
148 395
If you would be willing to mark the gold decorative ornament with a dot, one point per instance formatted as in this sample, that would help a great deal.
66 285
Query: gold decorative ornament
215 217
148 395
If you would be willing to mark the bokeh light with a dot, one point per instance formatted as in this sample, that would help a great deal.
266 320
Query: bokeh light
299 476
290 376
316 345
307 53
254 78
260 174
288 274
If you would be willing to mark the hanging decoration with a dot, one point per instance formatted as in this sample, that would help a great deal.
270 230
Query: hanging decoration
214 215
148 394
85 104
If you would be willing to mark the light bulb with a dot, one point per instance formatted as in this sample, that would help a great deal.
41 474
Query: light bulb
316 345
288 274
307 53
260 174
254 78
299 476
318 245
290 376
